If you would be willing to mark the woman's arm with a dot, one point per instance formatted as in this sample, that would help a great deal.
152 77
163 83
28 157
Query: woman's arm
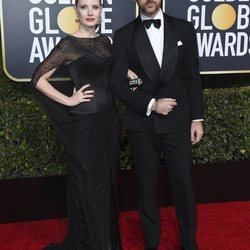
82 95
57 57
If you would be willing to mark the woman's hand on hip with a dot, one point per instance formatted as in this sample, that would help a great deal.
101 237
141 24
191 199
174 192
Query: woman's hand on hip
82 95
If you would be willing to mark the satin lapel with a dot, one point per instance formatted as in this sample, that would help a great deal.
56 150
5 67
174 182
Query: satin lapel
170 50
145 52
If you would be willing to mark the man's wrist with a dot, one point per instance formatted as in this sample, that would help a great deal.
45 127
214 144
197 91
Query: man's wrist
155 106
149 108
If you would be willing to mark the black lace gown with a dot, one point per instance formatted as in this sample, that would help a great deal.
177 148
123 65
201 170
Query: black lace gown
89 132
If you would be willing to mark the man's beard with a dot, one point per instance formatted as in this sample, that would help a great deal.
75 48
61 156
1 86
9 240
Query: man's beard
151 10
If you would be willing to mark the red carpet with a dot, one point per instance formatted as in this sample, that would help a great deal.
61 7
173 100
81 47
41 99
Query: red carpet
221 226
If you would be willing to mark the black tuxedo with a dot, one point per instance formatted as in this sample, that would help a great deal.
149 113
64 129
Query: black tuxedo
177 78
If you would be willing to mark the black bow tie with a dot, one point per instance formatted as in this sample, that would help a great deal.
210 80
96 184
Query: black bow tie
148 22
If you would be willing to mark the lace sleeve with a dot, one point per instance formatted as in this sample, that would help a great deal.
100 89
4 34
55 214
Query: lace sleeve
57 57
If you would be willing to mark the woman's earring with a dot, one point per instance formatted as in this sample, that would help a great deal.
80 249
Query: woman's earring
98 25
100 21
77 20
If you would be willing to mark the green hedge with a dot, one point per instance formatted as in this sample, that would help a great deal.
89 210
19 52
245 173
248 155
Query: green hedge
227 129
29 146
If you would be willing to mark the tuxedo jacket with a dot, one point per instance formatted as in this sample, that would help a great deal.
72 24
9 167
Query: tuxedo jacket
178 77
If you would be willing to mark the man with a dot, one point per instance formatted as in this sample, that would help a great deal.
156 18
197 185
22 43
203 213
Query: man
165 112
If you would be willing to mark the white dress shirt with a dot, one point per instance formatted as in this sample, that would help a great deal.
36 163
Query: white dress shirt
156 38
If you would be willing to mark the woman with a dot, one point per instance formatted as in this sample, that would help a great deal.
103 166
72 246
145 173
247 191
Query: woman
87 123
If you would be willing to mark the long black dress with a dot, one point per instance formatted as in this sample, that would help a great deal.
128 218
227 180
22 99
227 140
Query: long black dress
89 132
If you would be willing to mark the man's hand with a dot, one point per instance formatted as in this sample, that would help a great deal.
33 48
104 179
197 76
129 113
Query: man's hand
165 105
131 76
196 131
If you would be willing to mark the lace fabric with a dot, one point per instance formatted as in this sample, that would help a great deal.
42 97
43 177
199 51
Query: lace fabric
92 143
69 49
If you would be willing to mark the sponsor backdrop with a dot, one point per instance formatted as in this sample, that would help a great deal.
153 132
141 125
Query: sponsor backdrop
31 28
223 32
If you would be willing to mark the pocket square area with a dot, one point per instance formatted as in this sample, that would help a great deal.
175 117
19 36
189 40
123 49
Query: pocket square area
179 43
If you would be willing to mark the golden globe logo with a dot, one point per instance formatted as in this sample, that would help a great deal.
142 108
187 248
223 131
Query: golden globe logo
40 25
66 20
224 16
222 28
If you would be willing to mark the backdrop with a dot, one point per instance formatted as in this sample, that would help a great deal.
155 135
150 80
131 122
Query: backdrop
31 28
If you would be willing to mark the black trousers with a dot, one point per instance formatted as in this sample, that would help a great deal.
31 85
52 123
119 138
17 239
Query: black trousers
146 149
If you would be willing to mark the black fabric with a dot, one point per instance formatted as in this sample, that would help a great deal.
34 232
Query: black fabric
94 70
88 61
177 78
91 141
146 149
